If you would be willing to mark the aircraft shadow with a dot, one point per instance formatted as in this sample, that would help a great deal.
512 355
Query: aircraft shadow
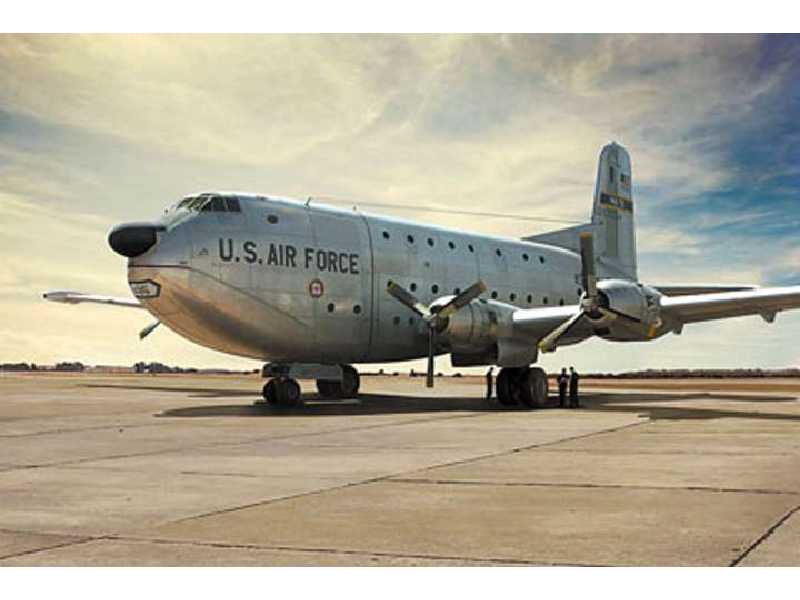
644 404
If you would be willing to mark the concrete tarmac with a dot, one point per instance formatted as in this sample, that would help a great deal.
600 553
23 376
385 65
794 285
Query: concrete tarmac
184 470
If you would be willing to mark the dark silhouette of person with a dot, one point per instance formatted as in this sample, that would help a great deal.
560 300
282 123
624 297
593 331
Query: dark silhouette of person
489 383
573 388
563 380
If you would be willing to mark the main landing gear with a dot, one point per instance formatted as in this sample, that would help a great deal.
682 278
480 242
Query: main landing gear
522 386
346 388
333 381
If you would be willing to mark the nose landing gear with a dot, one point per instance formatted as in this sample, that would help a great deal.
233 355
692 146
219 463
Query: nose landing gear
282 391
522 386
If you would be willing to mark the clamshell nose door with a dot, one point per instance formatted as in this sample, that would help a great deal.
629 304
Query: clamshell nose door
134 239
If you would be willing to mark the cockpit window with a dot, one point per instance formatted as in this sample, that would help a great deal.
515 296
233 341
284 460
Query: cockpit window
217 204
210 203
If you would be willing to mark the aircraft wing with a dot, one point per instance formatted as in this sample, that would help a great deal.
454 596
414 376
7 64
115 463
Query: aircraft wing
68 297
706 307
538 322
693 289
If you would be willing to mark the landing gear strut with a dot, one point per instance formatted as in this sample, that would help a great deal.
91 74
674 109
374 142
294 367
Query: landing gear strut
346 388
525 386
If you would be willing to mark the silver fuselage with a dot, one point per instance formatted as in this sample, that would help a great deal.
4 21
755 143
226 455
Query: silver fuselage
287 281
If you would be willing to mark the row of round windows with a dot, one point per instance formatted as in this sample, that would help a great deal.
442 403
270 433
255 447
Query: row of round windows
452 245
512 297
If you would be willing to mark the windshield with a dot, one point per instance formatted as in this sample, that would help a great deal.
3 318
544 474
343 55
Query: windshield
210 203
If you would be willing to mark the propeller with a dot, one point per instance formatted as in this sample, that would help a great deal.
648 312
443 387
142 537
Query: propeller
148 330
435 316
591 304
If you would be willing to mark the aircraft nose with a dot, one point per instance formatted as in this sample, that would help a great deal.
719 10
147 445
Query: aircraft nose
133 239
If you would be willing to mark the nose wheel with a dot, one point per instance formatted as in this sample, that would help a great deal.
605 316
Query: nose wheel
282 391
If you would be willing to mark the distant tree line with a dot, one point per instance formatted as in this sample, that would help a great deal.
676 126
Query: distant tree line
698 373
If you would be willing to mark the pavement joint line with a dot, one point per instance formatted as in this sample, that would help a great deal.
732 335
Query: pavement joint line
77 430
764 536
80 540
256 440
381 478
347 551
690 488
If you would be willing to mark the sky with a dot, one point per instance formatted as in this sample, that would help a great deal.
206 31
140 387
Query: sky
101 129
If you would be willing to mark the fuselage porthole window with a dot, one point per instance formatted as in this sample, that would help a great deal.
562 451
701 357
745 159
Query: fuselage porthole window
435 288
561 302
451 245
530 299
430 242
410 239
456 291
396 320
471 248
541 259
498 252
272 219
512 296
544 300
357 309
525 257
386 235
413 287
494 295
331 307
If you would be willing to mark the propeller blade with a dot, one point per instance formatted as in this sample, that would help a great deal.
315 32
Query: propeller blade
409 299
429 376
549 342
588 275
148 330
462 299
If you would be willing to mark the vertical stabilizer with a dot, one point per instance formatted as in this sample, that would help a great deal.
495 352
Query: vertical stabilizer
612 222
612 214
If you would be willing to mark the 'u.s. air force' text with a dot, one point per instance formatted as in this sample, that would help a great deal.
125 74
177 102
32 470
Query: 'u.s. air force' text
286 255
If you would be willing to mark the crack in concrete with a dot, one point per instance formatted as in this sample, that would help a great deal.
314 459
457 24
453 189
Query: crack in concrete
691 488
81 540
78 430
351 552
79 461
764 537
381 478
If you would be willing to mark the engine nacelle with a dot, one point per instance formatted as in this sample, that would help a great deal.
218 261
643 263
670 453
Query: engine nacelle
478 325
640 302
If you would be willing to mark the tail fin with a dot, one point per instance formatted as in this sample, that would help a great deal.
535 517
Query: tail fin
612 221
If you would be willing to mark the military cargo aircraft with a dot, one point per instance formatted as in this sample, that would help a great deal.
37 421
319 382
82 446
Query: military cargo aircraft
313 289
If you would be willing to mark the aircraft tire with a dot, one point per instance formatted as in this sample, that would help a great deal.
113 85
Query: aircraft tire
533 387
329 389
270 392
289 393
506 395
351 382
